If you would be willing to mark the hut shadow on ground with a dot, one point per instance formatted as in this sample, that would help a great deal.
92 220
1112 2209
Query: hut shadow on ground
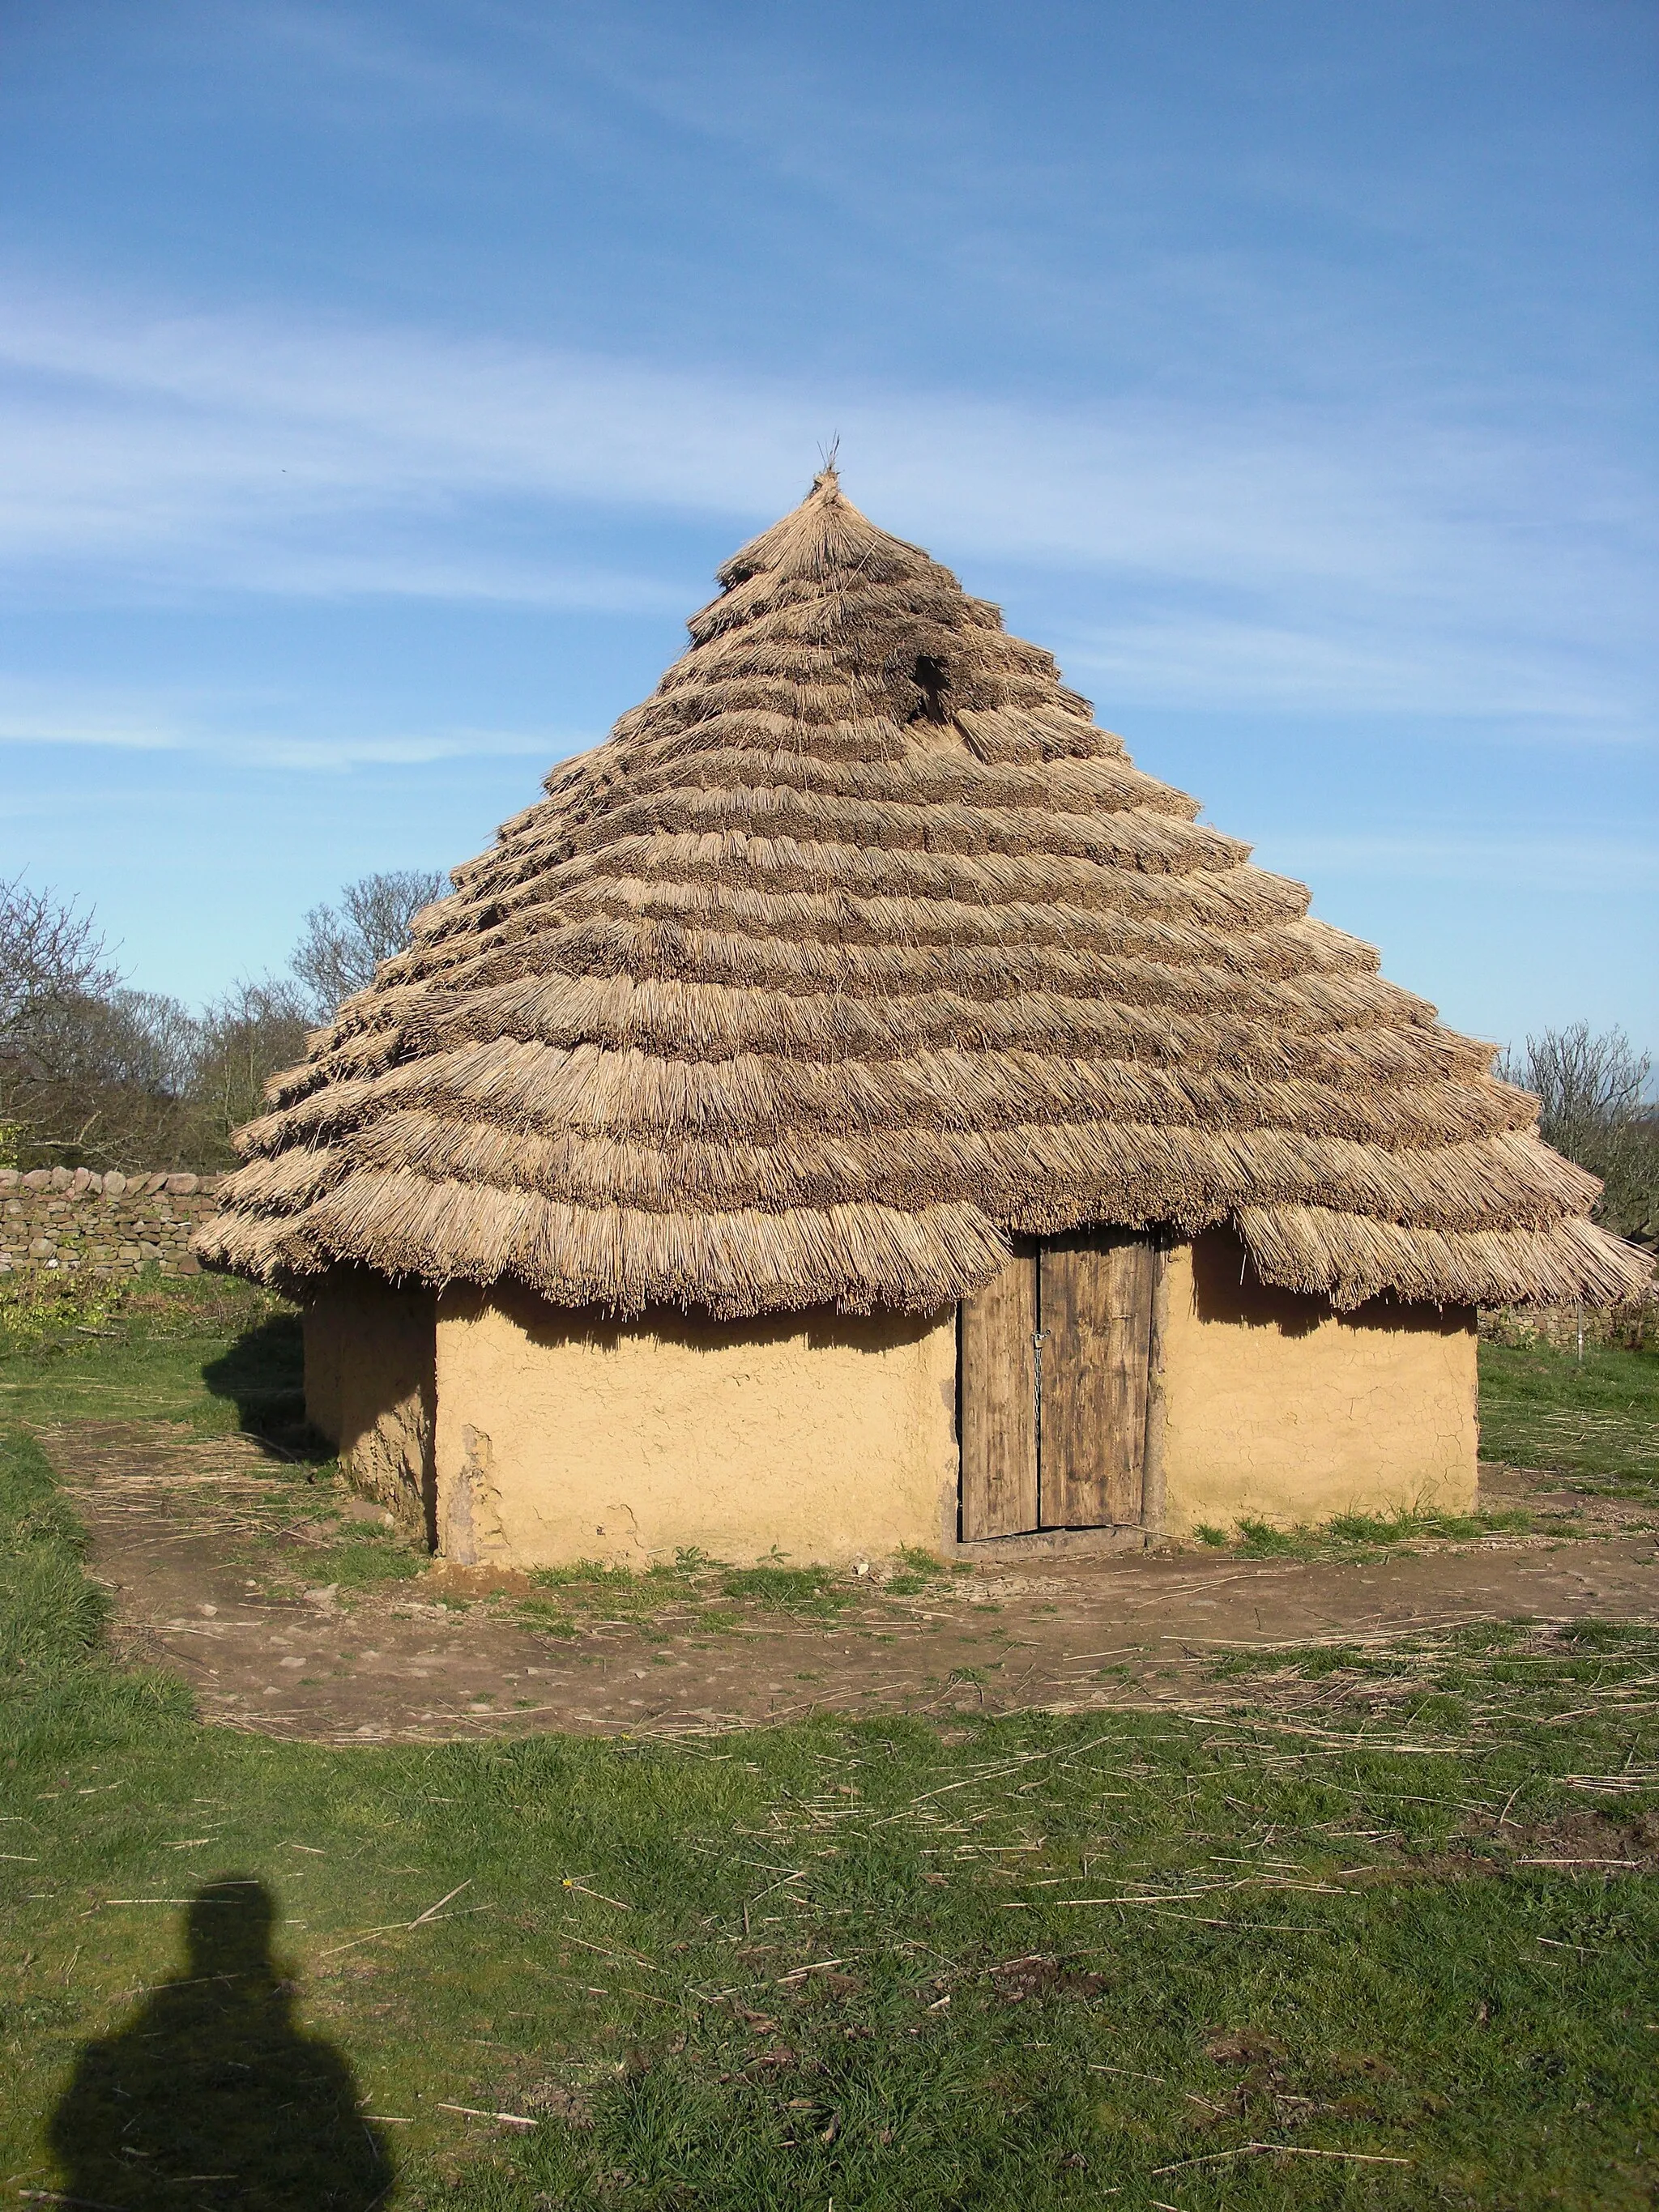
210 2096
263 1373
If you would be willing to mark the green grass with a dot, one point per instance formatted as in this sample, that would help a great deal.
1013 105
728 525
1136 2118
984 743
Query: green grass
1596 1422
585 1574
546 1620
1402 1527
593 1586
206 1349
812 1589
1035 1962
593 1589
1349 1534
364 1559
843 1961
217 1355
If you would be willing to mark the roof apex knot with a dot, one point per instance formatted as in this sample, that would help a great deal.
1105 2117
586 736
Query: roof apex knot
827 483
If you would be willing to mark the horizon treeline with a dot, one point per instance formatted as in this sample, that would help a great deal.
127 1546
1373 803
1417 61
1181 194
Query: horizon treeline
94 1073
1596 1106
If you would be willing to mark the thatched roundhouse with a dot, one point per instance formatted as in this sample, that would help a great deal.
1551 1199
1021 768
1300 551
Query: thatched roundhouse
857 1107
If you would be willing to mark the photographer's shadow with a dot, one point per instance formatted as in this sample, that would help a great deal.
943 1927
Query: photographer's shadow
212 2097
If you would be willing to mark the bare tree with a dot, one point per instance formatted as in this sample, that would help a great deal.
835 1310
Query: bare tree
344 944
93 1073
1593 1092
107 1078
256 1030
49 948
1585 1081
55 976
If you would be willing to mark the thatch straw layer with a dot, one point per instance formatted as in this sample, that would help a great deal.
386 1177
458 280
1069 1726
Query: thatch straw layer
856 948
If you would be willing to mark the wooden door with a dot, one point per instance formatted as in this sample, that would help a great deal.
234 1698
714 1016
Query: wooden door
997 1401
1095 1312
1053 1385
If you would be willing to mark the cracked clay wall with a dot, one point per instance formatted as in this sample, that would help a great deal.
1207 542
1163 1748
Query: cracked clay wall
561 1436
1278 1407
510 1431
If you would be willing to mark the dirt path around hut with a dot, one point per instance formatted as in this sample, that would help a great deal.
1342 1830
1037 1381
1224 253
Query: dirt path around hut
215 1555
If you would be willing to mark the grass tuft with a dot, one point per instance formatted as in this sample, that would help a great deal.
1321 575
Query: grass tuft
585 1574
783 1586
1254 1539
546 1620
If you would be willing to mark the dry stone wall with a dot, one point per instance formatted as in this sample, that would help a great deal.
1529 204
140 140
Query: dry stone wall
1634 1327
101 1224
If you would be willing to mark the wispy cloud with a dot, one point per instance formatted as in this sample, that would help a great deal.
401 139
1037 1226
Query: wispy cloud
1348 661
1284 555
229 729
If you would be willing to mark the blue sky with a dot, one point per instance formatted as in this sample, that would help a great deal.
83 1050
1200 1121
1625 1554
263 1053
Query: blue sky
379 385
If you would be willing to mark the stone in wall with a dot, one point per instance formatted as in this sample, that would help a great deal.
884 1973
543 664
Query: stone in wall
78 1222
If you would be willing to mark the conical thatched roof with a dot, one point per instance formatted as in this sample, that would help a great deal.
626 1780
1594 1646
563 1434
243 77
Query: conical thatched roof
855 948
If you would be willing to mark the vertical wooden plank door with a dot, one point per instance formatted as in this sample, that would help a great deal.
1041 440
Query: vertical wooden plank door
996 1394
1095 1312
1055 1359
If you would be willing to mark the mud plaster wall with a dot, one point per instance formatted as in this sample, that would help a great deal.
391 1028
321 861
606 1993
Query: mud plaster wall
370 1386
1278 1407
564 1437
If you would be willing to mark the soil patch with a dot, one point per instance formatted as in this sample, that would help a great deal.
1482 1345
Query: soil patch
223 1564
